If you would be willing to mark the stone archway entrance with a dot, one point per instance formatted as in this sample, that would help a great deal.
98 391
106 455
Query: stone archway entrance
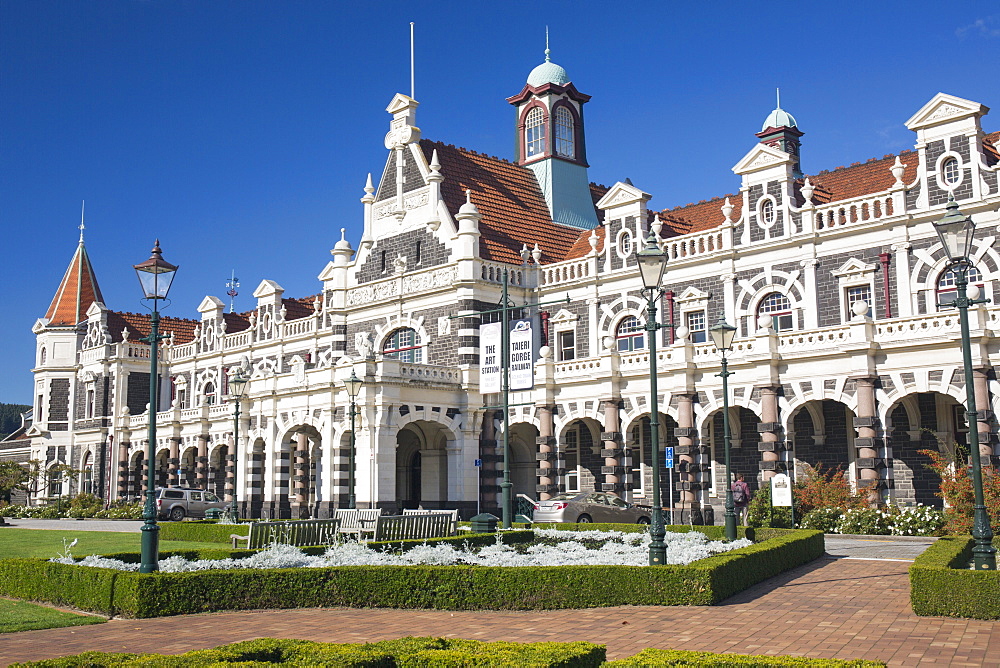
923 421
422 466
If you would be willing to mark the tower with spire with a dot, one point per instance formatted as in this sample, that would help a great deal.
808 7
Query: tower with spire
780 131
551 142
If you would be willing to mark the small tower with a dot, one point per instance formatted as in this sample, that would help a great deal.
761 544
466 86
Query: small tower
550 141
781 132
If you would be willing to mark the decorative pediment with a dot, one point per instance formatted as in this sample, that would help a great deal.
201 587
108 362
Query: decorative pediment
762 156
622 193
267 288
854 268
563 317
39 325
400 102
944 108
96 309
210 304
692 295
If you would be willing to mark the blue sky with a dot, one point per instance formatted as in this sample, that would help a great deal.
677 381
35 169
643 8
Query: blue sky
240 132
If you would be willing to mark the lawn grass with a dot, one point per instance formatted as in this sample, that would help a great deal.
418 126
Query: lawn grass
21 616
48 543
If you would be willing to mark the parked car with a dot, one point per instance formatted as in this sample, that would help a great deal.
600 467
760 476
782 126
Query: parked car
589 507
176 503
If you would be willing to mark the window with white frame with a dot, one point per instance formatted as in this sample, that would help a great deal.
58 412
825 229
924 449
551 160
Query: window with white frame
948 292
777 306
624 243
766 212
402 345
565 133
209 394
55 483
630 334
87 483
43 357
534 132
91 399
695 321
566 342
950 172
857 293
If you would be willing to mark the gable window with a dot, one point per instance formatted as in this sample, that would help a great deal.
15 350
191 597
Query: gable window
630 334
565 136
567 346
402 345
950 173
695 322
767 212
779 308
946 290
855 294
534 132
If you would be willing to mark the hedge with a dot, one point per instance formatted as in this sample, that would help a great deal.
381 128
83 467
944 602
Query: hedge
404 652
130 594
943 585
677 657
200 532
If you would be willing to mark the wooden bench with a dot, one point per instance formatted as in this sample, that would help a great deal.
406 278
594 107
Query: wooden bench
453 514
298 533
412 527
357 521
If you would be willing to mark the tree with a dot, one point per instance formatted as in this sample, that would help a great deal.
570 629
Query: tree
10 418
39 475
13 478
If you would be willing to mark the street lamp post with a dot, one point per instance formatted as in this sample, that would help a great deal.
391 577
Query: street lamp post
353 386
652 262
956 233
237 386
722 336
155 276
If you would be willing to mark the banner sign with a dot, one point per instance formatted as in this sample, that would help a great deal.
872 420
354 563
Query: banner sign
522 355
781 490
490 373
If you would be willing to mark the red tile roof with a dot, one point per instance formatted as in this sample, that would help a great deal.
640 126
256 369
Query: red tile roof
138 326
513 209
990 144
699 217
581 246
862 178
77 291
298 308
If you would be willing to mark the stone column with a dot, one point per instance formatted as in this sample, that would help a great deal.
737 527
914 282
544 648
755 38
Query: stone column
868 443
230 469
688 452
173 462
985 419
612 448
301 479
769 428
123 472
201 462
548 475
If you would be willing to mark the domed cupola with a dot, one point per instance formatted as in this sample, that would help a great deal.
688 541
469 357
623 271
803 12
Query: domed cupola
781 131
550 141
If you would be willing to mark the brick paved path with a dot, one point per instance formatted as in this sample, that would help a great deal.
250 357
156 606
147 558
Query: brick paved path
843 608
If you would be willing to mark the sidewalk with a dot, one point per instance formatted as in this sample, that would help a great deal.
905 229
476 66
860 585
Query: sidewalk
842 608
75 525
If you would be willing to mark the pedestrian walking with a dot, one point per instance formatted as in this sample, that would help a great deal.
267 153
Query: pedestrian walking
741 497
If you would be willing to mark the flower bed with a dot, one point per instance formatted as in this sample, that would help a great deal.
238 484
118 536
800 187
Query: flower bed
458 587
942 584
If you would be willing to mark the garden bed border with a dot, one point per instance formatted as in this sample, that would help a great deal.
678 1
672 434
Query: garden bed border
943 585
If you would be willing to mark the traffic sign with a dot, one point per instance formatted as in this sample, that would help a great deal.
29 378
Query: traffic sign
479 462
668 457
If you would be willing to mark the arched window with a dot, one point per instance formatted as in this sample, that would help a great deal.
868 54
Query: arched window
87 484
565 135
946 290
534 133
209 394
402 345
779 308
630 334
949 171
767 212
44 356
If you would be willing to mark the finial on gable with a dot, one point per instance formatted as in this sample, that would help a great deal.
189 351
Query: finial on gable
547 50
83 204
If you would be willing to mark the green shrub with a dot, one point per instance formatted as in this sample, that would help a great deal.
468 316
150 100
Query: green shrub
201 532
763 514
942 584
404 653
917 520
822 519
868 521
677 657
120 510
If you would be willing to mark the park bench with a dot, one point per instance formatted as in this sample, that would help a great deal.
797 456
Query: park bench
453 514
412 527
357 521
298 533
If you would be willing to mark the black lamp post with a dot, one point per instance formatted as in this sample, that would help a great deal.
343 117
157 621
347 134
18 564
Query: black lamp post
237 386
353 386
956 233
155 276
722 336
652 263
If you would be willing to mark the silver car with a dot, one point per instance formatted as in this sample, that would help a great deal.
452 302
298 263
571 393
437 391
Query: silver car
176 503
586 507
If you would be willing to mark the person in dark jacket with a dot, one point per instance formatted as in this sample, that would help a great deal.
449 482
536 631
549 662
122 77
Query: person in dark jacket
741 498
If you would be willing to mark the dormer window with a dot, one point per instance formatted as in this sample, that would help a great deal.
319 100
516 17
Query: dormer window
767 212
534 133
565 133
949 172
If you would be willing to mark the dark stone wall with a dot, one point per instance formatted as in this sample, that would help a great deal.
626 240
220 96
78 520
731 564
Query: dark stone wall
137 392
433 253
831 300
58 404
960 145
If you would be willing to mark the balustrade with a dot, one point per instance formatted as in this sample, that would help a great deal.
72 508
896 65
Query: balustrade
565 272
860 210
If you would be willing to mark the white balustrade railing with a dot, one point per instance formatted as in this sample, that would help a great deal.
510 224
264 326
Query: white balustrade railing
493 273
180 352
566 272
691 245
640 359
298 327
588 366
859 210
238 340
430 373
814 339
916 327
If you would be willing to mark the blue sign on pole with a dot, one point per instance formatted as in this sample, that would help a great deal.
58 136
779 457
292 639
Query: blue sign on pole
668 457
479 462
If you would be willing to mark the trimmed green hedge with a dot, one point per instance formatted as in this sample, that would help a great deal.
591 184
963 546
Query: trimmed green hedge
710 531
201 532
941 583
677 657
404 653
